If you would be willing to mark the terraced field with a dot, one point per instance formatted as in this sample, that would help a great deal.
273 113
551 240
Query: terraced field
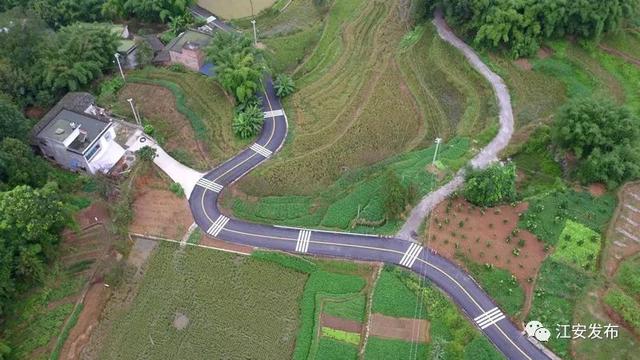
204 104
355 106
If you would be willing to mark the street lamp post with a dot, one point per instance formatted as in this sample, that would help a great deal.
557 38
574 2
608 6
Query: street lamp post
435 154
135 114
255 33
117 56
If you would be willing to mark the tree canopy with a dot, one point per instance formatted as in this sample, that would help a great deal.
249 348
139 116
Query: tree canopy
30 223
147 10
604 137
239 65
521 25
12 123
491 186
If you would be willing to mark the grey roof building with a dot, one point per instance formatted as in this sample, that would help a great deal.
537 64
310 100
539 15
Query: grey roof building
78 135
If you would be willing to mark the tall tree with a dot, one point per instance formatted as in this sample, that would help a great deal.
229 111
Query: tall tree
147 10
12 123
239 65
30 225
19 165
604 137
77 54
491 186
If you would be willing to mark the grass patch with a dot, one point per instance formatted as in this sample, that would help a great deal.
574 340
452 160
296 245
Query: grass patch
64 335
330 349
548 213
624 305
578 246
628 276
534 159
344 336
352 308
260 298
195 237
501 285
392 297
558 288
378 348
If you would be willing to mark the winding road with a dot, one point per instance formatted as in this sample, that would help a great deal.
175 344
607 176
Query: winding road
466 293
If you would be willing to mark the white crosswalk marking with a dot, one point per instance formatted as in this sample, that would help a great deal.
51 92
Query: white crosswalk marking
273 113
302 245
210 185
218 225
489 318
411 255
261 150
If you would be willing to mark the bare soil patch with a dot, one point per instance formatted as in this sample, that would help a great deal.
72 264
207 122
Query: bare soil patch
623 234
140 251
158 105
597 189
181 321
96 213
523 64
399 328
158 211
486 237
340 324
544 52
94 302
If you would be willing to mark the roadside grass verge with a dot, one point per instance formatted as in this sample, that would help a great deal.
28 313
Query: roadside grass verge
558 288
501 285
547 213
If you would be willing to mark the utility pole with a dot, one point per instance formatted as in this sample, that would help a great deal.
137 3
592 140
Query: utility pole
135 114
435 154
255 33
117 56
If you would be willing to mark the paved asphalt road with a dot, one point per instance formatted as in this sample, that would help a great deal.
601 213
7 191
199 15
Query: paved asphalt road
471 299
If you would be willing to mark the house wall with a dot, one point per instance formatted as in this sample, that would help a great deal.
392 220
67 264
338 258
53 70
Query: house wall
57 152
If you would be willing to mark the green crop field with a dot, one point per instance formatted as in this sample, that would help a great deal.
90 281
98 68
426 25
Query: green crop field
547 214
358 102
351 307
327 281
236 307
232 9
558 288
578 246
400 293
331 349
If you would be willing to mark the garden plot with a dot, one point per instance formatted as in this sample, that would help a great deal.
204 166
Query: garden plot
489 243
624 233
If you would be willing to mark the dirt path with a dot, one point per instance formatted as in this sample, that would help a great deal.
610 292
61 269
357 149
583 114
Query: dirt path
487 155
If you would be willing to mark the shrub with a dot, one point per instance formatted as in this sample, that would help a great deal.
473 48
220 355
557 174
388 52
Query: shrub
177 189
284 85
248 122
149 129
147 153
491 186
